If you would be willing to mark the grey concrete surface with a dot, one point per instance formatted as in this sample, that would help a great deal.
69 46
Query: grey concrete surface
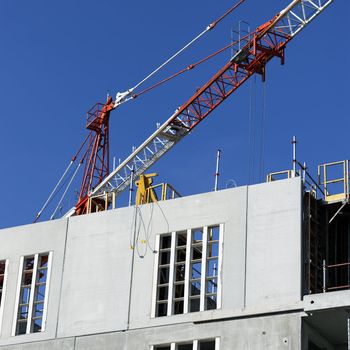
96 281
28 240
274 251
101 290
227 207
279 332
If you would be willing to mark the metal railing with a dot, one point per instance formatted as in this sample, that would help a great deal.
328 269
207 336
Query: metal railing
164 191
339 186
279 175
340 280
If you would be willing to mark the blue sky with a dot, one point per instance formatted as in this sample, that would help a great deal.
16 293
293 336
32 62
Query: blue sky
60 57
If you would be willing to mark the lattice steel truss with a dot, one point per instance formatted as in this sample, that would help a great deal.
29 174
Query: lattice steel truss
268 41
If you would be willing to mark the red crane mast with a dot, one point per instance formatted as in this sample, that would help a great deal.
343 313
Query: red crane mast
267 41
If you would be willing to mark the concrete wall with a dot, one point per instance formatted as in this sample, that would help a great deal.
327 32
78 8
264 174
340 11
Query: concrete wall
97 273
261 261
27 240
274 241
280 332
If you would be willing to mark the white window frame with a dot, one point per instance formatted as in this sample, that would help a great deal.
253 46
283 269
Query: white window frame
32 291
173 346
186 308
3 297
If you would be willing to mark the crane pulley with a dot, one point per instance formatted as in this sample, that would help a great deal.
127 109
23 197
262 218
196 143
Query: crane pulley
266 42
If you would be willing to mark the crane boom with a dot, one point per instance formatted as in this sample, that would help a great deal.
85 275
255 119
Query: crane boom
268 41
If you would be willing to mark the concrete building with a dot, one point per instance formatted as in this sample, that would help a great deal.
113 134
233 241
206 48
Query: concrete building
232 269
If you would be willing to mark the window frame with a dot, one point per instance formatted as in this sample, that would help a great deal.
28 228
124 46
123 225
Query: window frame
33 289
204 260
195 343
3 293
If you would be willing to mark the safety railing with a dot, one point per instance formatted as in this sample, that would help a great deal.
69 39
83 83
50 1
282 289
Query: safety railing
335 188
163 191
279 175
101 202
336 276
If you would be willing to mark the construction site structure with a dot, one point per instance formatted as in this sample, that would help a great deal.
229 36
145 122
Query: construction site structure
265 266
251 55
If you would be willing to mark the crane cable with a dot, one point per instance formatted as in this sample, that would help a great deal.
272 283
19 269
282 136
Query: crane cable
65 191
189 67
122 97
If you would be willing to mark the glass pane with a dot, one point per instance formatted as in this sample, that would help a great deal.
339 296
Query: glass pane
179 290
167 347
162 309
25 294
185 346
163 293
212 285
181 239
164 258
211 302
27 278
36 324
206 345
38 310
194 305
180 272
196 270
2 267
165 242
23 312
178 307
28 263
213 233
213 249
196 252
21 328
43 260
195 288
0 296
40 293
41 276
1 281
164 275
212 268
181 255
197 235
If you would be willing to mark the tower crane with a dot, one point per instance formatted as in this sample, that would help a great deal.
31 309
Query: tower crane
268 41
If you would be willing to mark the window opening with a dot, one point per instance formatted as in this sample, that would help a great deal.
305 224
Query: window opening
212 267
188 346
179 274
2 279
207 344
32 294
196 269
188 271
163 275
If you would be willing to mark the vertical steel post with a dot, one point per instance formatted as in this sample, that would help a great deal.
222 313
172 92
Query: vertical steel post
304 172
324 284
131 186
294 143
217 174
